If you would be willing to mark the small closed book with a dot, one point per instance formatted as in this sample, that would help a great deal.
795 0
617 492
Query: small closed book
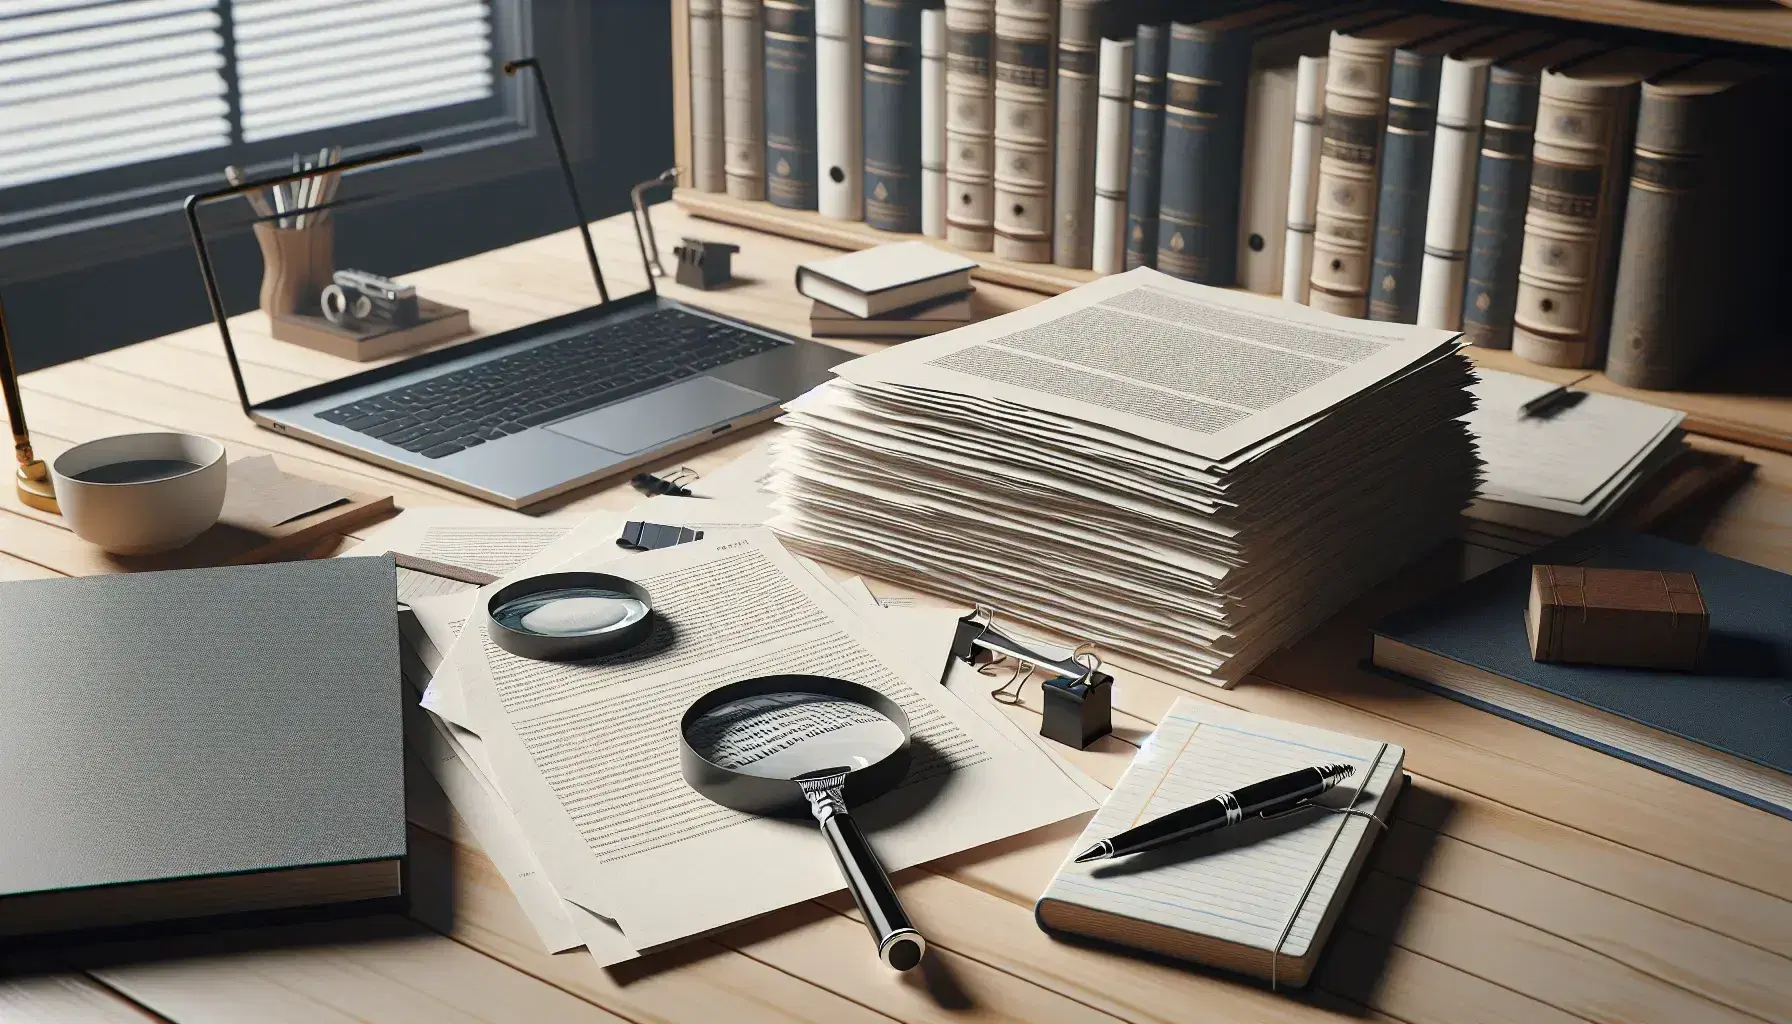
201 742
935 316
1259 897
1726 727
872 282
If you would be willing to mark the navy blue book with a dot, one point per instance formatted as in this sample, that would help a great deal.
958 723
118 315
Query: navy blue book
1209 74
1726 727
1502 189
892 114
1150 54
790 103
1399 246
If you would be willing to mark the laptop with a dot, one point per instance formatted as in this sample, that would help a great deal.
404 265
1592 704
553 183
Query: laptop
525 414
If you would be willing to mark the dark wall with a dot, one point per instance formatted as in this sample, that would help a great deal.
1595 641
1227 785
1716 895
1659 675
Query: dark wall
108 305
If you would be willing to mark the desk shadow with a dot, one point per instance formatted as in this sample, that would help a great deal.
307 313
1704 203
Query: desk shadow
940 982
1744 656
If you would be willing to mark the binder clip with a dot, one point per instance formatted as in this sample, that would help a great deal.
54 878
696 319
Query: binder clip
704 265
1078 696
652 536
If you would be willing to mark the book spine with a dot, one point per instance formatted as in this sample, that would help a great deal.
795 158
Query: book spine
1113 129
1572 221
1303 177
1502 185
1197 209
970 125
1073 196
839 73
1023 71
1661 310
1405 181
706 97
1150 58
1263 179
933 123
790 103
743 98
892 115
1461 96
1356 103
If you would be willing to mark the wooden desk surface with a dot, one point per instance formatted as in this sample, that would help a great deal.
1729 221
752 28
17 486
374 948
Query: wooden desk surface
1524 879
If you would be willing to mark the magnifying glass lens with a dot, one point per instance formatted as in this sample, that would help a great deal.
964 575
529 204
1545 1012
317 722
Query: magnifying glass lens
787 735
570 611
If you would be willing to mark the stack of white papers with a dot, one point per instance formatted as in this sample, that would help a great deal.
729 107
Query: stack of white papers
1557 473
1186 474
568 773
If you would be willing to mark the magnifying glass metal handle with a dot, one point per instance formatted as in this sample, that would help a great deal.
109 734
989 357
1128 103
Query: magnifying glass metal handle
898 943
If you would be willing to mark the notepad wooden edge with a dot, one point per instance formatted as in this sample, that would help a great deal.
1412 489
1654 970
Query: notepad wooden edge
1065 920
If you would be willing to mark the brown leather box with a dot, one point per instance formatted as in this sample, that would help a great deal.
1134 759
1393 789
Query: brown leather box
1636 618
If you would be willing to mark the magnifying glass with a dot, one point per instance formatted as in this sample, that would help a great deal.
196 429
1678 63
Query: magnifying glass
796 746
567 616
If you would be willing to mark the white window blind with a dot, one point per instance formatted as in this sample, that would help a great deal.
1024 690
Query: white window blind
309 64
86 85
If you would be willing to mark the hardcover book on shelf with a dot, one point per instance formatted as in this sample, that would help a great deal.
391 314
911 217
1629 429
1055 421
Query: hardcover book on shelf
1720 728
1502 187
1080 24
1406 150
707 131
1356 103
892 115
1267 152
1113 135
743 98
1150 59
1209 74
970 125
872 282
1586 119
1461 102
933 123
790 103
1705 224
1303 178
157 771
839 106
1025 32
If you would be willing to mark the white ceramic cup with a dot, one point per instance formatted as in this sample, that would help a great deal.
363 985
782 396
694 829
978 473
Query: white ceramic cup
146 517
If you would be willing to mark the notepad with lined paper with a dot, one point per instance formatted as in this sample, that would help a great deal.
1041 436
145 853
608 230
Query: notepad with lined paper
1258 898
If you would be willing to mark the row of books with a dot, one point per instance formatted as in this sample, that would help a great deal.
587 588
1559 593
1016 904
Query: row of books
1538 191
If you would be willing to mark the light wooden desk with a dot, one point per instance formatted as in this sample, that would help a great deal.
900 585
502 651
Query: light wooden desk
1525 879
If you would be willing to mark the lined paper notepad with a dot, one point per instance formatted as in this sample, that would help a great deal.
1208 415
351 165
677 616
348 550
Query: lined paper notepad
1228 898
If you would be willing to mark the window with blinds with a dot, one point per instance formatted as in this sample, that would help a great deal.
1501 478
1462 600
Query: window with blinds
87 85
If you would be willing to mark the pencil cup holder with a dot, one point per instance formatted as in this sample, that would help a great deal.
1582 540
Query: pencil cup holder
296 264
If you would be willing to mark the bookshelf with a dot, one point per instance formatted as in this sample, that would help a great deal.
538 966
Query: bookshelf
1762 24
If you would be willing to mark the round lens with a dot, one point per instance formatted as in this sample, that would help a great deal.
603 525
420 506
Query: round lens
784 735
571 611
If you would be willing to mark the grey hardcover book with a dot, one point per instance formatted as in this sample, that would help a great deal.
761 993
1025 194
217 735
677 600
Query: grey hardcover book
202 742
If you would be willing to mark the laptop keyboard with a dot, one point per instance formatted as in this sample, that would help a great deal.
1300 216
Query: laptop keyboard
465 408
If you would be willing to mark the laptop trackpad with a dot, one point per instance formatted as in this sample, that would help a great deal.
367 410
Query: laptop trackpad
653 419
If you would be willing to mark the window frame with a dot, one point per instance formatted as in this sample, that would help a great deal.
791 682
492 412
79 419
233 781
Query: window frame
88 220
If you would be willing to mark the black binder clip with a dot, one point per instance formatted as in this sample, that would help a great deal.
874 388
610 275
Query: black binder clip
652 536
1078 696
704 265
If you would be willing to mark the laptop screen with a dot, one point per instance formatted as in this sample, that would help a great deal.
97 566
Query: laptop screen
335 273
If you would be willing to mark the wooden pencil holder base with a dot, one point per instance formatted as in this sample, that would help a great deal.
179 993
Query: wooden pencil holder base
296 266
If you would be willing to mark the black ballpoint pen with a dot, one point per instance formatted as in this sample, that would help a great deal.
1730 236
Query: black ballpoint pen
1271 796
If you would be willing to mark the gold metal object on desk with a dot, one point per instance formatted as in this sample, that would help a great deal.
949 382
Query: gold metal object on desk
35 488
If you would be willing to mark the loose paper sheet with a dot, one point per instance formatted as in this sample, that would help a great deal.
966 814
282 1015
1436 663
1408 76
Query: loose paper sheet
587 753
486 539
1198 369
1572 458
